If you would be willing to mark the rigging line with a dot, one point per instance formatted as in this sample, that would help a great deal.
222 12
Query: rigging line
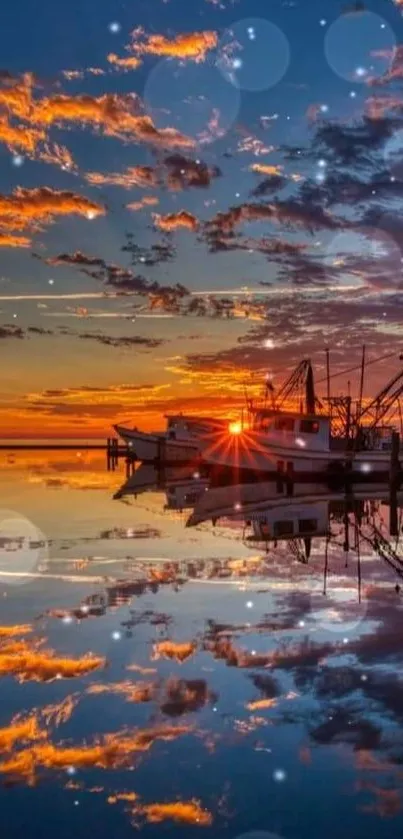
357 367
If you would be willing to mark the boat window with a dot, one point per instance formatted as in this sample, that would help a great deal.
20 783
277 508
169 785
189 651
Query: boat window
283 528
309 426
264 529
284 424
307 525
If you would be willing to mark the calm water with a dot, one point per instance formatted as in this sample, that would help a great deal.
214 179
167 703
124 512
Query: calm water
185 680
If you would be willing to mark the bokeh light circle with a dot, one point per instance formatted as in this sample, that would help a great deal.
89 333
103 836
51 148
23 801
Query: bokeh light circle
393 156
194 98
372 253
23 549
254 54
359 46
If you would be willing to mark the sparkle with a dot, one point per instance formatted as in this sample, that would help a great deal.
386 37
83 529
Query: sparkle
253 652
71 770
67 619
269 344
114 27
345 640
365 467
320 178
301 623
214 709
322 164
84 609
300 442
237 506
360 72
251 33
116 635
324 109
353 94
364 678
76 803
196 475
51 282
15 315
392 179
91 215
249 604
322 22
383 25
18 160
279 775
237 64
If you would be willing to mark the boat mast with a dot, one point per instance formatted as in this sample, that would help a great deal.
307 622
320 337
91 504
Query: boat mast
310 390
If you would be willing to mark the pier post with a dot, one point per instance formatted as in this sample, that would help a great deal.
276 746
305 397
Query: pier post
394 483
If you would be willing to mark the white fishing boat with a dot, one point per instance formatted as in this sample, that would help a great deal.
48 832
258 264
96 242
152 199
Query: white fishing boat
180 442
299 444
182 484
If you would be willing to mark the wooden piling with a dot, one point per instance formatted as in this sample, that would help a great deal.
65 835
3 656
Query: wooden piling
394 483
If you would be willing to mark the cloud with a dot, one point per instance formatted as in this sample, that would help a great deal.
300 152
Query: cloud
146 201
190 45
129 62
172 221
182 172
142 176
121 341
9 240
11 331
33 208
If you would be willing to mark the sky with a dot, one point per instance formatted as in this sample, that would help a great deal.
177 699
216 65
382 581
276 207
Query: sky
194 196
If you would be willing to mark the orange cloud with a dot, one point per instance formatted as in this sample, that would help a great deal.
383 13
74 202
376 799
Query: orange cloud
143 176
172 650
20 137
13 631
191 45
29 663
128 63
182 812
132 692
147 201
266 169
118 116
174 220
31 208
20 730
113 751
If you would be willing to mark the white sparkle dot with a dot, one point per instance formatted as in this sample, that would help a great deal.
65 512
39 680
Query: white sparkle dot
320 178
91 215
322 164
116 635
301 623
67 619
18 160
392 179
353 94
237 195
322 22
360 72
365 467
237 506
236 64
249 604
71 770
196 475
51 282
114 27
76 803
364 677
279 775
324 109
214 709
253 652
383 25
251 33
269 344
84 609
345 640
15 315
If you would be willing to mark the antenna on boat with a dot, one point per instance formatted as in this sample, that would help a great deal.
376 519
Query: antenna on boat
310 390
328 374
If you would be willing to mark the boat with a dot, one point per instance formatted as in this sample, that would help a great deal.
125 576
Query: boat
182 485
300 444
181 442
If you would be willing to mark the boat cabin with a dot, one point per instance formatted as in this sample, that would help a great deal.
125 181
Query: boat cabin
185 427
310 431
290 522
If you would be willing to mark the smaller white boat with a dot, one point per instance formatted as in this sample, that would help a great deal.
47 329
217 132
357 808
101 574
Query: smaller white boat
182 441
182 485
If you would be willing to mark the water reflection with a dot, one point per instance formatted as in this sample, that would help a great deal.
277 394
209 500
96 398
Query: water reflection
193 653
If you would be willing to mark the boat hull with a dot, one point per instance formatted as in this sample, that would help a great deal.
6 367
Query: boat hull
153 447
255 453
